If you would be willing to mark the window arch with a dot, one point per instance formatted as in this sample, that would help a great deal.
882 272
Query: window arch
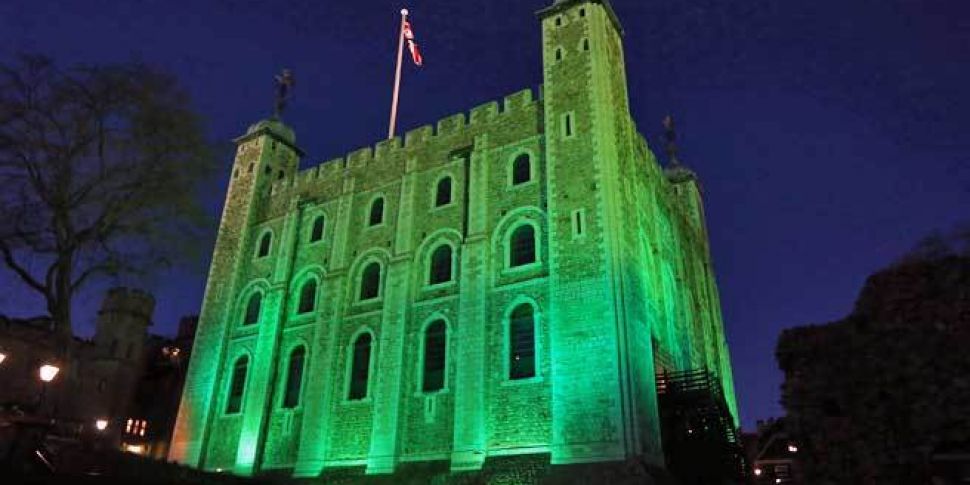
237 385
308 297
264 244
522 246
360 367
521 169
435 356
376 212
251 316
370 281
316 232
522 342
294 378
440 267
442 194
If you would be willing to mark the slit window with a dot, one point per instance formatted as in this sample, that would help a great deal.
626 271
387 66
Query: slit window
370 281
442 196
585 44
264 245
567 125
440 270
360 367
579 220
522 246
237 385
252 309
521 169
316 232
559 54
435 357
522 343
308 297
294 378
376 212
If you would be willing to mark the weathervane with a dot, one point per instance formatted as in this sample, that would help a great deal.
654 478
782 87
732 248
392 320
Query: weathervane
671 138
284 82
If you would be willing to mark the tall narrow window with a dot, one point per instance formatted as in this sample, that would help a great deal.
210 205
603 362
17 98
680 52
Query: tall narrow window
252 309
521 169
376 211
579 218
442 194
567 125
558 54
316 232
585 44
264 244
370 281
522 343
237 385
440 271
360 367
294 378
308 297
435 356
522 246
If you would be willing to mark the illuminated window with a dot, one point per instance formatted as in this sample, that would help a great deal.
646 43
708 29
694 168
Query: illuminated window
435 355
440 270
237 385
360 367
264 245
316 232
522 342
294 378
442 195
522 246
252 309
376 211
521 169
370 281
308 297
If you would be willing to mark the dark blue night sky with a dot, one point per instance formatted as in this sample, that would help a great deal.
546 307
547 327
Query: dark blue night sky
829 135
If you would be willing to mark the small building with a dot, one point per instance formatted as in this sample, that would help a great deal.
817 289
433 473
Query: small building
120 388
773 454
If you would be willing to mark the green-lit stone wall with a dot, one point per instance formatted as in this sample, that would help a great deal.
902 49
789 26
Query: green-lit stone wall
622 286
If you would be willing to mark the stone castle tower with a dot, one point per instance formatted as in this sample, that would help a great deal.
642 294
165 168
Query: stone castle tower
503 283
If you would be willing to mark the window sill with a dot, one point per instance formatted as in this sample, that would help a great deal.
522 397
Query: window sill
356 402
521 382
439 392
525 268
439 286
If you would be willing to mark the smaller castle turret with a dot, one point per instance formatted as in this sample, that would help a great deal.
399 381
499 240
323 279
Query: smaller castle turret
123 322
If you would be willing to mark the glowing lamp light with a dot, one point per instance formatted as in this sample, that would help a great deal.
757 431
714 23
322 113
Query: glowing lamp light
792 449
136 449
101 424
48 372
757 472
777 480
3 357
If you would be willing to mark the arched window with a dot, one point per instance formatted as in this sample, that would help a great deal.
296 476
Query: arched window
522 246
522 343
360 367
440 268
316 232
442 195
376 211
264 244
521 169
294 378
237 385
308 297
559 54
370 281
435 357
252 309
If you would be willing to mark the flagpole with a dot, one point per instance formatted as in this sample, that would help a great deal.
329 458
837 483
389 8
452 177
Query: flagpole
397 74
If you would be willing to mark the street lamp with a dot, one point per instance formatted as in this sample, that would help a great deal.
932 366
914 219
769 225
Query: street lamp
101 424
3 357
48 372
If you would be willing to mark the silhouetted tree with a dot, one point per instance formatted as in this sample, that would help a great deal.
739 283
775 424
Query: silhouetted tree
99 167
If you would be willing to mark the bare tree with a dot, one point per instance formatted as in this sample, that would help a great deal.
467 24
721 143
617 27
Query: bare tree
99 170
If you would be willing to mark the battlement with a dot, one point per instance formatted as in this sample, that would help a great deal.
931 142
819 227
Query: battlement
478 119
130 301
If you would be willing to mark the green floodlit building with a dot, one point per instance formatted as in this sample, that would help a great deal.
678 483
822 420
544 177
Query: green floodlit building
508 282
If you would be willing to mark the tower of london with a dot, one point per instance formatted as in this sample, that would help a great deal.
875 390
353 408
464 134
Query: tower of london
508 281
